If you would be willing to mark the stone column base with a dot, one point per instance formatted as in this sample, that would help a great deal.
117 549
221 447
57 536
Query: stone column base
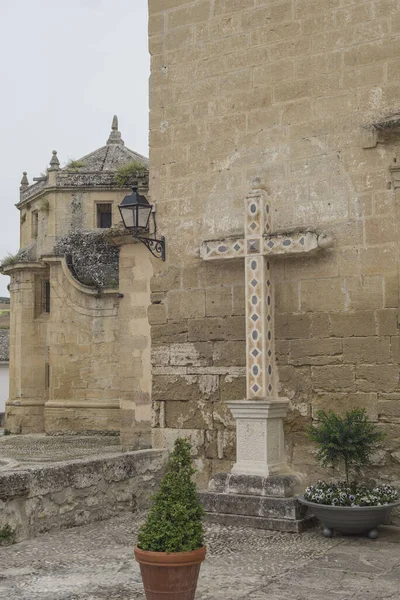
24 416
257 502
63 417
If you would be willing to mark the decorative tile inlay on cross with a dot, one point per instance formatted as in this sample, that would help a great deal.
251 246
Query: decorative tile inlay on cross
259 418
259 247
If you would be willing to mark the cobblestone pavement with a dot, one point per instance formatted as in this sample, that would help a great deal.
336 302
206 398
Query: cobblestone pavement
96 562
20 450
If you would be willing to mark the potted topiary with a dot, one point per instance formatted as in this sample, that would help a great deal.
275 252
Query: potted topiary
348 507
170 546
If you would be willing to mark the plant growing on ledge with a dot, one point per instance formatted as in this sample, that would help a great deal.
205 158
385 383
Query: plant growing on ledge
125 173
349 441
23 255
7 535
75 165
170 546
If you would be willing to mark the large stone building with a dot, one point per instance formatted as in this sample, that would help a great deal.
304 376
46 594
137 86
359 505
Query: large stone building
303 94
79 343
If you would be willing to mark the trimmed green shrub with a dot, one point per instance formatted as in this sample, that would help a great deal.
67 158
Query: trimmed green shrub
175 519
349 440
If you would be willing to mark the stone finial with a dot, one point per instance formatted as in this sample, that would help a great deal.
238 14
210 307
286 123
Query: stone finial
24 180
115 135
54 162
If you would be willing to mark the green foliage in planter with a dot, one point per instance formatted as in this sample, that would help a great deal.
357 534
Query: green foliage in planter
349 440
125 173
175 520
339 494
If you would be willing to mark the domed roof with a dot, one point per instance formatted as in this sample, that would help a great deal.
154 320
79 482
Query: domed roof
111 156
97 169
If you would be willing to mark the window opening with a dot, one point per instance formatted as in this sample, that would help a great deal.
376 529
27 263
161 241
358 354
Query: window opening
104 215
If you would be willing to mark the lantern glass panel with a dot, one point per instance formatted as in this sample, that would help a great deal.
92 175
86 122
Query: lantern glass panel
127 216
144 213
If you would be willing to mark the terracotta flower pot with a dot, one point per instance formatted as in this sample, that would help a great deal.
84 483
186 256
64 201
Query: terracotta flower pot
170 576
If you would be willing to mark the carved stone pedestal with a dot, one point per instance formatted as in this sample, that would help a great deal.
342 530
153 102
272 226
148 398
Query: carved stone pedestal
261 490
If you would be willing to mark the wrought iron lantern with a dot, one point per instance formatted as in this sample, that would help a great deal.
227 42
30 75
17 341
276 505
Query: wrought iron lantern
137 213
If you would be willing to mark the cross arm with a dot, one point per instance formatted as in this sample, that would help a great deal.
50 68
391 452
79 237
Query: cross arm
278 244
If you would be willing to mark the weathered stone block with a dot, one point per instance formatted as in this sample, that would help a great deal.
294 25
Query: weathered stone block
166 280
315 351
389 408
181 387
363 293
238 299
358 324
169 333
285 486
165 438
295 380
322 295
210 329
341 403
333 378
199 11
186 304
320 325
380 378
192 414
289 326
157 314
230 353
219 301
191 354
366 350
387 321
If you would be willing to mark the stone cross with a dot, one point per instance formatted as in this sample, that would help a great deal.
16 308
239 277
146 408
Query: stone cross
259 418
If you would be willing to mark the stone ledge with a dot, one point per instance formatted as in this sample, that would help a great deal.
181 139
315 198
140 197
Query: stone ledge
77 492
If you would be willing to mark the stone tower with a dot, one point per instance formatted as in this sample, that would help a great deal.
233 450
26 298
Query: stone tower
66 331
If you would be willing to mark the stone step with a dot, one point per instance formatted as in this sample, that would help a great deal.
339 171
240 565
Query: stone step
253 506
286 525
279 486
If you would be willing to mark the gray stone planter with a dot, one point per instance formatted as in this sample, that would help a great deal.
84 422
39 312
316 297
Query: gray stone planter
350 520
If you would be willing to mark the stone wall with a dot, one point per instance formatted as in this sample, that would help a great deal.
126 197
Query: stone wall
289 91
55 497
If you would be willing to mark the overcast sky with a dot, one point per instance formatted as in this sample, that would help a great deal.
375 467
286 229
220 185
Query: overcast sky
66 68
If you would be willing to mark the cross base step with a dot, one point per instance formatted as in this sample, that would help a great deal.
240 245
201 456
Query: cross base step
256 502
284 525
